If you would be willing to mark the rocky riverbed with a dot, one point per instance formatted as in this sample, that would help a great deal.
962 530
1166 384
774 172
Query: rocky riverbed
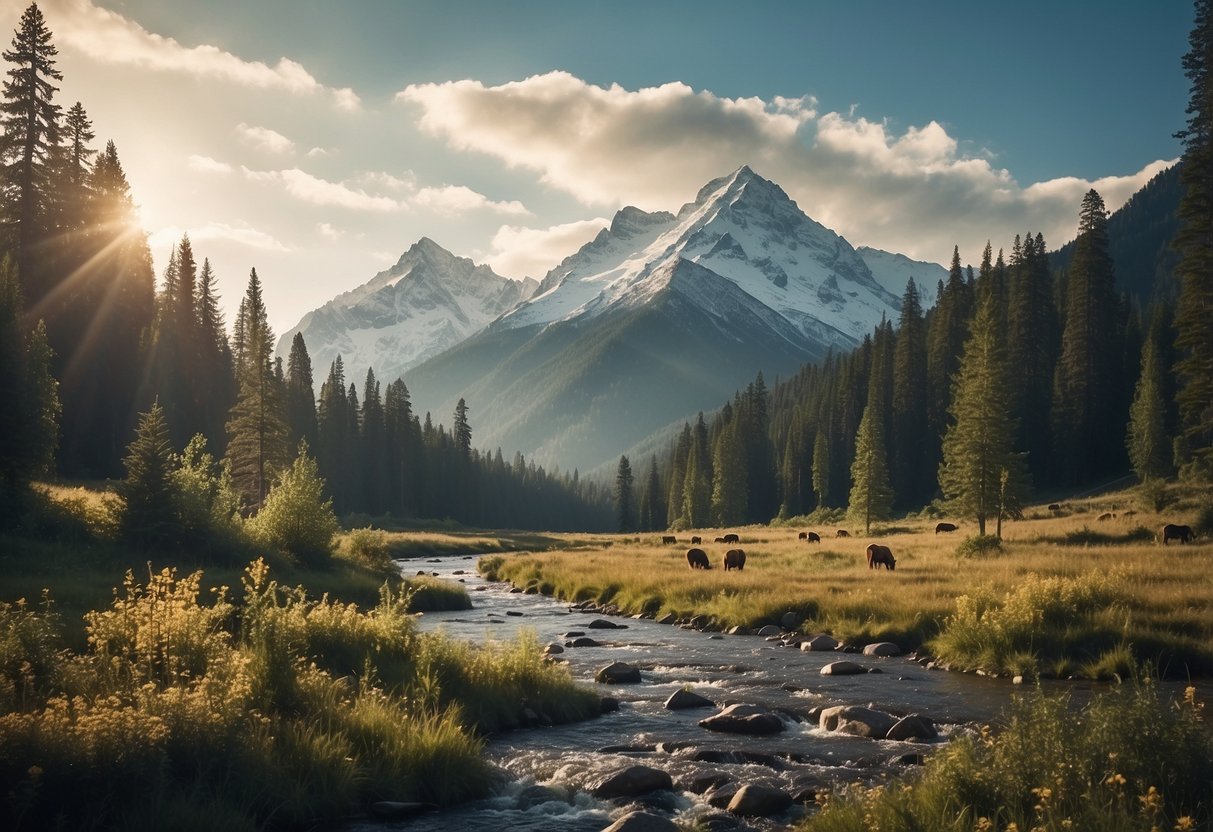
731 730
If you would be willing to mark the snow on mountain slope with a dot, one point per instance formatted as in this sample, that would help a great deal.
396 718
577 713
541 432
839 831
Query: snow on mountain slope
426 303
893 271
744 229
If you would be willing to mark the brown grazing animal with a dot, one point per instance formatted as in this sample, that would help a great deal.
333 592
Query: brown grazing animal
802 536
814 537
731 537
1054 506
695 541
881 556
720 540
734 559
1107 515
1174 531
842 533
668 538
945 527
698 559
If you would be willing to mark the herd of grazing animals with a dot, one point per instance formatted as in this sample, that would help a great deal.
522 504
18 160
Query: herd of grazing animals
878 554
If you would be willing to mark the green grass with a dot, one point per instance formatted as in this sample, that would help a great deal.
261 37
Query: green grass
1130 761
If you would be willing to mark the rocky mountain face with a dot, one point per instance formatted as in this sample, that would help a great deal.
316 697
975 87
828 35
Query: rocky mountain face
429 301
659 316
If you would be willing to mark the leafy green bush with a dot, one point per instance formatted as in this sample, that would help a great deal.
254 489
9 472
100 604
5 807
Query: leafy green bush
979 545
369 547
296 519
1153 495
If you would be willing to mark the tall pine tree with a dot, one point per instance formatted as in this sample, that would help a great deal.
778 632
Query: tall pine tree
625 504
1194 316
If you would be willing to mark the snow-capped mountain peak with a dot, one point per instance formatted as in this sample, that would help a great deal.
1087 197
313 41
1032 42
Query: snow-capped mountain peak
427 302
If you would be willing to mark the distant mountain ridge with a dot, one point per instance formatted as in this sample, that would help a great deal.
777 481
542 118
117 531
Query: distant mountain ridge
429 301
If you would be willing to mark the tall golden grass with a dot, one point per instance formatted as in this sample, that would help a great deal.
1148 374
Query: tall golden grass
1064 594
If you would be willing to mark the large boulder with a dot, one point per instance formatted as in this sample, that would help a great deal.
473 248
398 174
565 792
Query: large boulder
843 668
618 673
683 698
857 720
631 782
603 624
582 641
789 620
912 727
755 801
819 642
642 822
882 648
769 630
744 719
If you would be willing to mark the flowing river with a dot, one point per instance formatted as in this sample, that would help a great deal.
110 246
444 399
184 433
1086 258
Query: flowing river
550 765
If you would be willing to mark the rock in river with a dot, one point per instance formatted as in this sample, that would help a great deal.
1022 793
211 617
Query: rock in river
912 727
882 648
753 800
631 781
843 668
603 624
618 673
683 698
819 642
642 822
744 719
857 720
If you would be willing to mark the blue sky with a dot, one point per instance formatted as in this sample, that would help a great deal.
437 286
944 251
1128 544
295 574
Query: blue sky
510 132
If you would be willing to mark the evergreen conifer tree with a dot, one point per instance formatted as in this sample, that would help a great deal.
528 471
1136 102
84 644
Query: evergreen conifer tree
300 395
729 493
1148 444
28 418
678 475
1194 315
1086 433
257 446
652 505
150 513
625 507
821 466
1031 351
871 496
374 451
29 118
979 446
907 462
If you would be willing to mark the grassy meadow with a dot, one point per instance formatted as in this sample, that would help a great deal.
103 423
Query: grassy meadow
199 692
1065 594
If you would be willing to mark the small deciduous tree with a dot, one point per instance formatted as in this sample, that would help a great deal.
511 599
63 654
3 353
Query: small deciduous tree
296 519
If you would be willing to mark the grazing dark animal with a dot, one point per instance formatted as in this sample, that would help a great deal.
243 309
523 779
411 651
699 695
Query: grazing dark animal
814 537
1054 506
731 538
842 533
668 538
1107 515
945 527
698 559
720 540
695 541
1174 531
734 559
881 556
802 536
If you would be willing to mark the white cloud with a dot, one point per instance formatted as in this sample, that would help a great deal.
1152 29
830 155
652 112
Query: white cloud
327 231
263 138
307 188
108 37
531 252
454 200
318 153
360 195
216 231
914 191
205 164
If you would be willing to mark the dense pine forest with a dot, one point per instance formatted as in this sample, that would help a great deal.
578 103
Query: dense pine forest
88 342
1022 380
